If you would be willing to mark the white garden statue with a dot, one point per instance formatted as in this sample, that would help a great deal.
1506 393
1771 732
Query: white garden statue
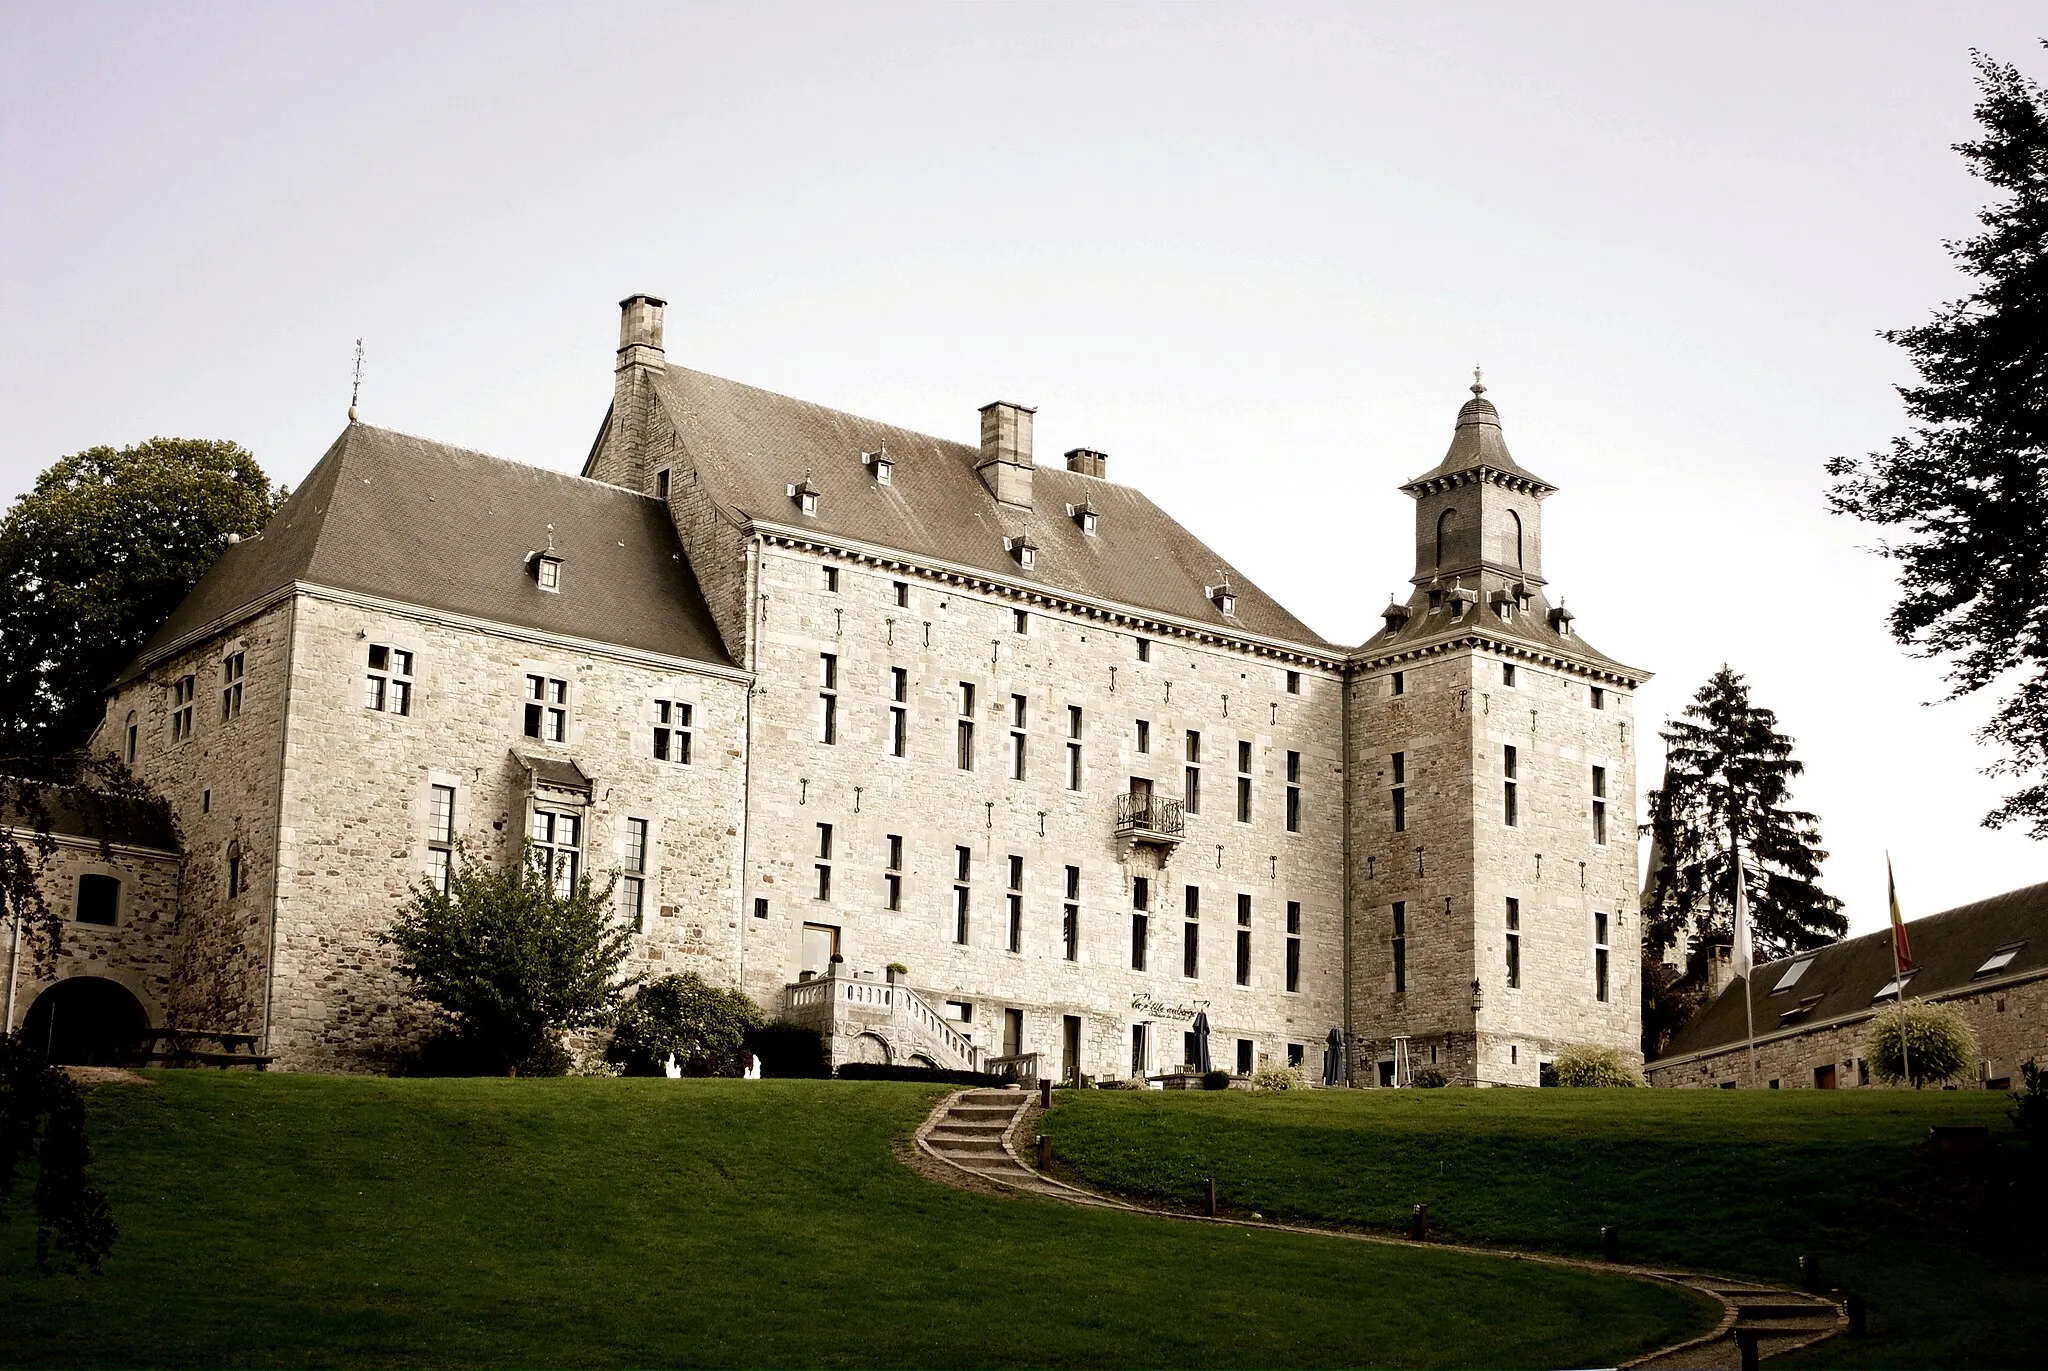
672 1068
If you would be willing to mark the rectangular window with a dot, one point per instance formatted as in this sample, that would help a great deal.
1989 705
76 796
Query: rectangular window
965 740
1070 924
899 684
1141 892
633 876
1144 735
1191 950
672 726
963 867
1599 698
1245 1049
1020 621
831 579
1600 805
1017 715
1294 683
892 879
902 594
230 686
825 841
1400 794
182 691
1016 922
1244 940
1194 790
440 835
1507 810
828 697
234 871
388 686
824 881
899 712
1138 936
1294 792
1244 799
554 844
99 900
547 708
1073 766
1144 649
1507 673
1293 947
1400 683
1600 955
1514 936
661 484
1400 947
1244 756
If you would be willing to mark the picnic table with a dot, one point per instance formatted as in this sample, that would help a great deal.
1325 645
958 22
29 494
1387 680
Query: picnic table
199 1047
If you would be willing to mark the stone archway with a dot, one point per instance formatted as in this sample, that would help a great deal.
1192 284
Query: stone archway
86 1021
870 1048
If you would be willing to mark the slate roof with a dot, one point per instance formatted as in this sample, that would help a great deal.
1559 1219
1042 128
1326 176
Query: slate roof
1477 442
749 446
1948 947
426 524
81 812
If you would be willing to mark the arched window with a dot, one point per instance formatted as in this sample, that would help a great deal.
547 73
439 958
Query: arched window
128 739
234 869
1446 525
1511 551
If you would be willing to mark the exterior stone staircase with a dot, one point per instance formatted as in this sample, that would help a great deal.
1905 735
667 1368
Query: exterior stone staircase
977 1131
1779 1321
861 1019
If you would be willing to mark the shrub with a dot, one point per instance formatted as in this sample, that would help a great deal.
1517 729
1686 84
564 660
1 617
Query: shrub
1429 1078
1586 1065
1934 1039
903 1071
1268 1078
42 1124
704 1027
789 1049
1126 1083
1215 1080
2030 1105
514 963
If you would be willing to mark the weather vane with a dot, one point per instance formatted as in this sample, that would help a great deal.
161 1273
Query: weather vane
1478 386
355 390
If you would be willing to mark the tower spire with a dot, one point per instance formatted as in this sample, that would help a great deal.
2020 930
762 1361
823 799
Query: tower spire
355 389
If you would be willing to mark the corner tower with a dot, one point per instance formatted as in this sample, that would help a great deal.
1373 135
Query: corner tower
1491 775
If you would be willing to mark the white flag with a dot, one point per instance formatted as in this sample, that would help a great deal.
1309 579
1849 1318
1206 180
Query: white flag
1739 960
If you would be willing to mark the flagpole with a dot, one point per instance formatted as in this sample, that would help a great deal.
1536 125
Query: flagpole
1748 957
1898 972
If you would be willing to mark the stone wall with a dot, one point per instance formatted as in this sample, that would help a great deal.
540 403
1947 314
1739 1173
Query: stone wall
358 787
143 949
949 633
2010 1020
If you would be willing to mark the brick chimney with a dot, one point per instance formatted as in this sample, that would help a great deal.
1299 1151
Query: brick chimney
1088 462
1005 466
640 360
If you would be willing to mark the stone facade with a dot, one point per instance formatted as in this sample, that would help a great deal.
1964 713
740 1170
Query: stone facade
142 950
1079 807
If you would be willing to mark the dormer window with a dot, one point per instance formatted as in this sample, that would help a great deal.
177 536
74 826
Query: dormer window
1396 615
1561 621
1224 597
1504 606
806 496
1023 549
547 571
1085 515
1998 961
882 465
1461 599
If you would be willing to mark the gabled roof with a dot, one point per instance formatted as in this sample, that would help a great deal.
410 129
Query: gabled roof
1948 948
422 523
750 446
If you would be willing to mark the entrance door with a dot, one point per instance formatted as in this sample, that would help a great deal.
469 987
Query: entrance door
1070 1049
1013 1032
1141 1049
1141 801
1824 1077
821 945
86 1021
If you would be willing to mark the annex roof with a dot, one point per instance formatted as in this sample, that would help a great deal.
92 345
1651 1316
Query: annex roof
750 446
80 811
405 519
1951 950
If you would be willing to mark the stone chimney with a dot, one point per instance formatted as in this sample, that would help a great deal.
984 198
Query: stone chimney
1088 462
1005 466
640 360
1720 968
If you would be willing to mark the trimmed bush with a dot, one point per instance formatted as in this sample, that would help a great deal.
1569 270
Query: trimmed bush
703 1026
1268 1078
1215 1080
1587 1066
2030 1105
1934 1039
789 1049
1429 1078
893 1071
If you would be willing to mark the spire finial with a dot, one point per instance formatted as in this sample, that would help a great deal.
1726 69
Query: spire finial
355 390
1478 386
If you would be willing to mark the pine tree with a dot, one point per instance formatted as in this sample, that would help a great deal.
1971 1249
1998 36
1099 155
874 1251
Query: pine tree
1968 486
1727 777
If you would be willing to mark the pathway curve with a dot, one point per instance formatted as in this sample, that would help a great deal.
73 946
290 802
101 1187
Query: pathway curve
973 1139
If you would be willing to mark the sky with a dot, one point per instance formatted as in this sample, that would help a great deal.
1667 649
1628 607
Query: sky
1251 252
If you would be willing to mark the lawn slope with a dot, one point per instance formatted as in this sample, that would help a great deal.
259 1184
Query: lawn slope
299 1220
1736 1181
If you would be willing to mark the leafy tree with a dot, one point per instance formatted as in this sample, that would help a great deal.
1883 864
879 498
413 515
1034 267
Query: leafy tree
513 960
42 1114
1968 486
703 1026
1934 1040
95 557
1670 999
1727 776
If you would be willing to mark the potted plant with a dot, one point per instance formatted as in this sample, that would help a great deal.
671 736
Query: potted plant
896 971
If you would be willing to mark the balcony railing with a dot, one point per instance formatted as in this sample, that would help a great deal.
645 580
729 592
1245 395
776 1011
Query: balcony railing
1142 816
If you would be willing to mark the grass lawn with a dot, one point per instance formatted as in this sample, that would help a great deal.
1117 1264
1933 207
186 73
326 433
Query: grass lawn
302 1220
1735 1181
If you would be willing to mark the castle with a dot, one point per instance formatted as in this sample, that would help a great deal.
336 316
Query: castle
965 758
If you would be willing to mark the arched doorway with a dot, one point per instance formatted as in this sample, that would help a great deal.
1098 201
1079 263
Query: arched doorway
85 1021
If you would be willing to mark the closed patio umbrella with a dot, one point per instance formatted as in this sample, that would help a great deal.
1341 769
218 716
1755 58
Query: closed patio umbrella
1333 1059
1202 1040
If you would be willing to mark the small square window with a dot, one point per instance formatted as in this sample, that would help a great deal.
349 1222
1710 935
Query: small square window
1599 698
548 572
1507 673
1294 683
1020 621
831 579
99 900
902 594
1144 649
661 484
